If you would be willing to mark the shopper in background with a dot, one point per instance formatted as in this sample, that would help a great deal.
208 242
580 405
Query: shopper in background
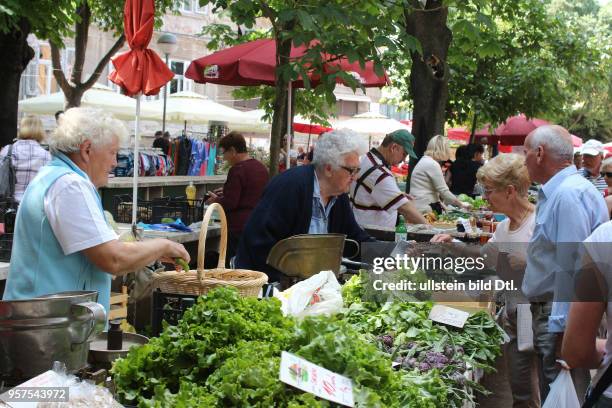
592 157
162 141
577 158
569 209
245 183
62 240
506 182
27 154
606 173
427 183
463 172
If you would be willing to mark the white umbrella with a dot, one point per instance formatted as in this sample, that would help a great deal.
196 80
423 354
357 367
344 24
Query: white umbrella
99 96
192 107
370 123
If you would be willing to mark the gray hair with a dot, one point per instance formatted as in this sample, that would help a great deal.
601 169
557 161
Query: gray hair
555 140
607 163
77 125
331 146
438 149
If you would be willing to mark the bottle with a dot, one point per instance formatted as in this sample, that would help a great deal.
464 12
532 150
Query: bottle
190 192
400 230
114 337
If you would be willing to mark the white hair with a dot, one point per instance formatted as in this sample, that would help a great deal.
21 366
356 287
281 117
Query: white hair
77 125
331 146
553 140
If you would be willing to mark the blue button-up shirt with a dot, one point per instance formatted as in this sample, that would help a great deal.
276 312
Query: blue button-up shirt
320 213
569 209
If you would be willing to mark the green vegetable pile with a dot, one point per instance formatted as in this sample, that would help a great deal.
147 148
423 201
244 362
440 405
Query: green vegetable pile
476 203
226 352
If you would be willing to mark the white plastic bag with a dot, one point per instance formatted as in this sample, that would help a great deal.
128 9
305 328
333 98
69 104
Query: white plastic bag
319 294
562 392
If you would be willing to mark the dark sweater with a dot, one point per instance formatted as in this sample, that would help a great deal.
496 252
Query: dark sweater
242 190
463 176
285 210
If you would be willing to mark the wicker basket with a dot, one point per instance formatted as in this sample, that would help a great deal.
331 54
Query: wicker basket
200 281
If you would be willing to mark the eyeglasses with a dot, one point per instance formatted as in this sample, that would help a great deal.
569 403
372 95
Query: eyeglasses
606 174
351 170
487 191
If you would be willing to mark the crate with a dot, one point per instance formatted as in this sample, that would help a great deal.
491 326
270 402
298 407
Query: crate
153 211
6 246
168 307
118 304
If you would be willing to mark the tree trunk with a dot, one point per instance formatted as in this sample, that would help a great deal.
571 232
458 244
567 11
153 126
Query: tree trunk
429 73
74 90
15 54
283 48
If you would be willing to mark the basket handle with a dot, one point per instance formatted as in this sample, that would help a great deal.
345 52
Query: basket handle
202 240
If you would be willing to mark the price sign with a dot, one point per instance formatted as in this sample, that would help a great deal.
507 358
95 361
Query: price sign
448 315
316 380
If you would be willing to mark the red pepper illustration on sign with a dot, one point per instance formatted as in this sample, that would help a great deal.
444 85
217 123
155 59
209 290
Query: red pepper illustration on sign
330 386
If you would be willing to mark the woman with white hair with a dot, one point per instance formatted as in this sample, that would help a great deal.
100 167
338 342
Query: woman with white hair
606 173
427 184
309 199
26 154
62 241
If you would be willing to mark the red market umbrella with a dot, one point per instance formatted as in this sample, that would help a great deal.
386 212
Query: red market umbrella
310 128
254 63
512 132
459 134
139 70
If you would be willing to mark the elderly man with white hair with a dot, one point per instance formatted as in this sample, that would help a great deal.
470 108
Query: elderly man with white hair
309 199
569 209
592 156
62 241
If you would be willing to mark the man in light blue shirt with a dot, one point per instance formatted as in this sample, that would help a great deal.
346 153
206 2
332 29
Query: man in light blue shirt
569 208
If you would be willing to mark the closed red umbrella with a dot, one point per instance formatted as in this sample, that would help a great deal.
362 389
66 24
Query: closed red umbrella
139 70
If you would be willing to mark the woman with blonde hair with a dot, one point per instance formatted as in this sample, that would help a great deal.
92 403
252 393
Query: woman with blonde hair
26 153
427 183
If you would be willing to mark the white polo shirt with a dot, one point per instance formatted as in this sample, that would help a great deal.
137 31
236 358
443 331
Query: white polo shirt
375 195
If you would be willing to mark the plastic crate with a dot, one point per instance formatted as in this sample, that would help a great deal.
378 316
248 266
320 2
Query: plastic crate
168 307
152 212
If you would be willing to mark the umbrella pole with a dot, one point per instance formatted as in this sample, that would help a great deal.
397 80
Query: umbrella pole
136 164
288 147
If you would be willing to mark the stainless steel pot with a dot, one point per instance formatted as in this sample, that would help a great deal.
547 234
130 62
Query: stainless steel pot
36 332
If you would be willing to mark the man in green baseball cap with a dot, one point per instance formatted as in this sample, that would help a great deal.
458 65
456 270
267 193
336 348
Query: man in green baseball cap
375 194
405 139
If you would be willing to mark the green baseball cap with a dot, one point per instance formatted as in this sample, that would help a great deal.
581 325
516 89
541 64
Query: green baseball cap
405 139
